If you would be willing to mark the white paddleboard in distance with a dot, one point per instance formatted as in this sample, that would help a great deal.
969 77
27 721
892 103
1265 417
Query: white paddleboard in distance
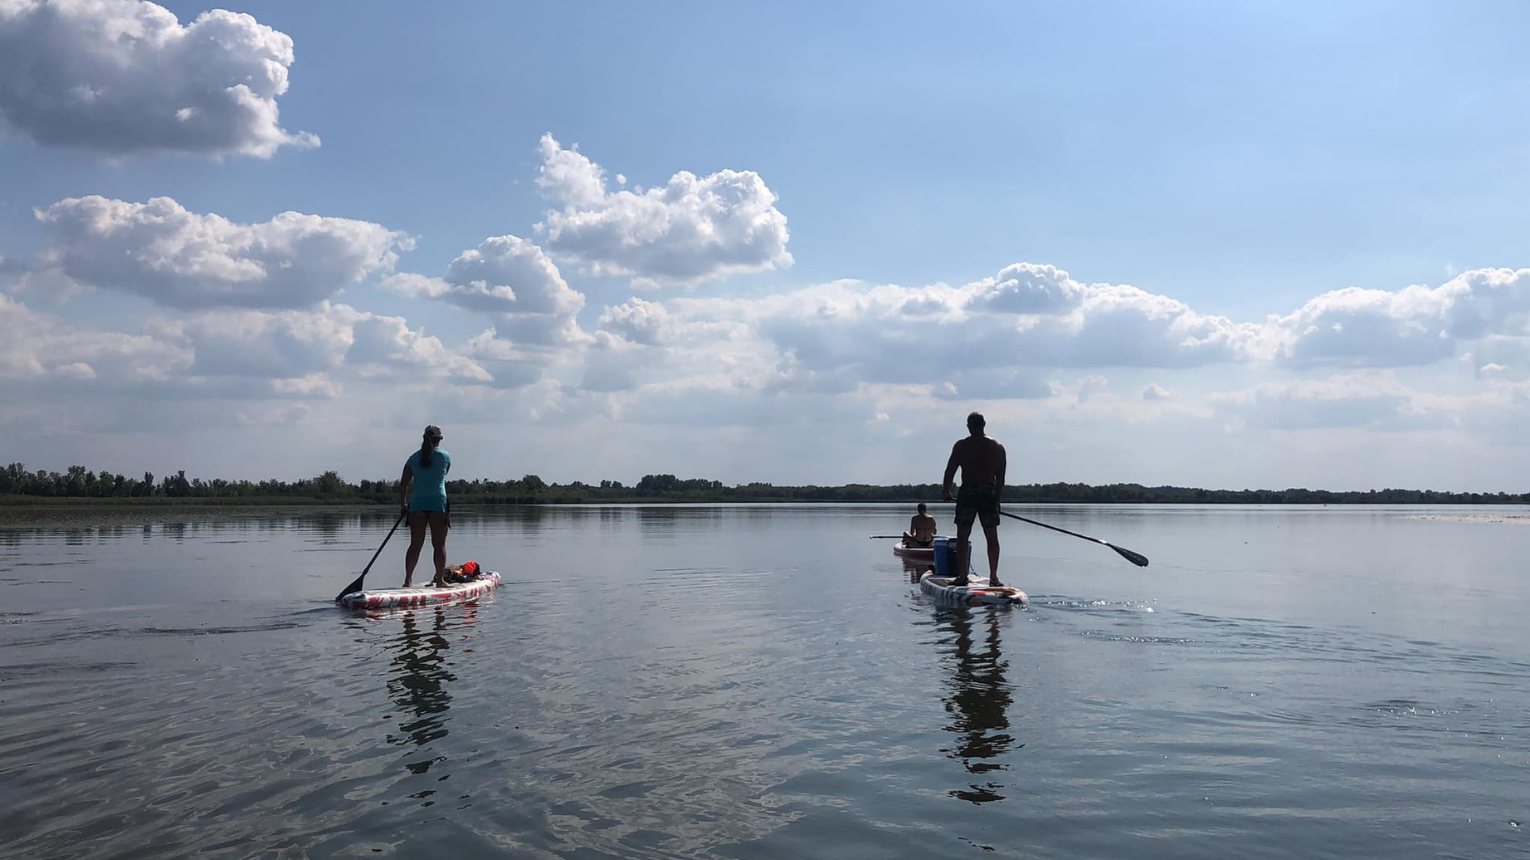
914 553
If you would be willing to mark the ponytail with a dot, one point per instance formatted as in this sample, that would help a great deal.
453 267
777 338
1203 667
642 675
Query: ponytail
426 450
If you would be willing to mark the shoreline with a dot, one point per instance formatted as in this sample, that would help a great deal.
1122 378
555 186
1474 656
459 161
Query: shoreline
84 513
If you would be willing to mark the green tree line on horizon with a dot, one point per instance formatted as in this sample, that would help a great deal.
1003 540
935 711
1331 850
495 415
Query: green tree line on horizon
79 482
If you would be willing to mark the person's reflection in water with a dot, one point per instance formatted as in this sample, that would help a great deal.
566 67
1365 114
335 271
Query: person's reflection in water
418 681
979 701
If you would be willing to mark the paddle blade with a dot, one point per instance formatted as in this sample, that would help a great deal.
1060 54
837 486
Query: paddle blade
352 588
1136 558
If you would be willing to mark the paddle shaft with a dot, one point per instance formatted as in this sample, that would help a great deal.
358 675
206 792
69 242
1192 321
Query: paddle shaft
356 586
1134 557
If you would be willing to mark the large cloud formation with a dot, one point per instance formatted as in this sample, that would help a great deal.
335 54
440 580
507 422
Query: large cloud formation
124 77
982 340
183 259
1414 326
690 230
999 337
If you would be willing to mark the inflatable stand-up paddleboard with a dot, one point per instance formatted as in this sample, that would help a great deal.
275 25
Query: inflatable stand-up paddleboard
914 553
939 583
396 598
975 593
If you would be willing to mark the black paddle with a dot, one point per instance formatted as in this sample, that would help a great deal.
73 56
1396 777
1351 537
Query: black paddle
886 537
356 586
1136 558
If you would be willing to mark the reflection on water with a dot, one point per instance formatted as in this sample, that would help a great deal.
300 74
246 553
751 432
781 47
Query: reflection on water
978 700
756 682
418 678
329 524
914 569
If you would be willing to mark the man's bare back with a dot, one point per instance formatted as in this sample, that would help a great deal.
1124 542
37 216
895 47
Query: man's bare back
981 459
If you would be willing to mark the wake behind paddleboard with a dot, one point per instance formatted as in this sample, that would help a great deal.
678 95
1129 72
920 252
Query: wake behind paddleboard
975 593
395 598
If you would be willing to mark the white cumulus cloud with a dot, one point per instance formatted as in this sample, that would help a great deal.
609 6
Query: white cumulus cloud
122 77
1027 288
511 280
387 345
285 345
183 259
689 230
639 321
1417 325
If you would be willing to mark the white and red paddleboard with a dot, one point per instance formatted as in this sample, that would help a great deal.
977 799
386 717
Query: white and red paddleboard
975 593
427 595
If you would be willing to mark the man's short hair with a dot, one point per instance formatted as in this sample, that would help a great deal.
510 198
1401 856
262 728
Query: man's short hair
921 507
975 419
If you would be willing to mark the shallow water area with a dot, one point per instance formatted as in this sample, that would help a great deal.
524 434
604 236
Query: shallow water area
764 681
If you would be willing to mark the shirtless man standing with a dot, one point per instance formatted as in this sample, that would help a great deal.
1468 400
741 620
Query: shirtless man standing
982 461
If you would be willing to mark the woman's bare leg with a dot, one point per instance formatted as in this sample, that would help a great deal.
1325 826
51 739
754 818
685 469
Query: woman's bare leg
417 521
438 530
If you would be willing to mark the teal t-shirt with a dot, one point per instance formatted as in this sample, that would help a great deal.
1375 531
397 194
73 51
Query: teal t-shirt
429 491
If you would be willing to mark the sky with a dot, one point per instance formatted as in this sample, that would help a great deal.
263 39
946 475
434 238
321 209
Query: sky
1260 245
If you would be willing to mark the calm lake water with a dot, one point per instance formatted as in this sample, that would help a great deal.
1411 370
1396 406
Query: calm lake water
764 682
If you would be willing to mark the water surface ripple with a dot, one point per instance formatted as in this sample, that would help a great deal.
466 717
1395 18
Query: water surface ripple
751 682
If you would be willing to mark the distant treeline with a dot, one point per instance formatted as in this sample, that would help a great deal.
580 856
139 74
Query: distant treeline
78 482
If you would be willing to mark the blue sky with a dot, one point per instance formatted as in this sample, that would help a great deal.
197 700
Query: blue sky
1237 162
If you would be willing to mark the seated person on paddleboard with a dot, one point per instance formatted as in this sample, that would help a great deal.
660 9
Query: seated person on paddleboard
982 461
422 492
921 529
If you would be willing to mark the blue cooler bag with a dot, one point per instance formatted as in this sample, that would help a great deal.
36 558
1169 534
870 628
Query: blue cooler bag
945 551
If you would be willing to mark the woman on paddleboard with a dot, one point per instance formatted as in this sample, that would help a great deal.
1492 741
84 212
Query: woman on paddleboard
422 492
